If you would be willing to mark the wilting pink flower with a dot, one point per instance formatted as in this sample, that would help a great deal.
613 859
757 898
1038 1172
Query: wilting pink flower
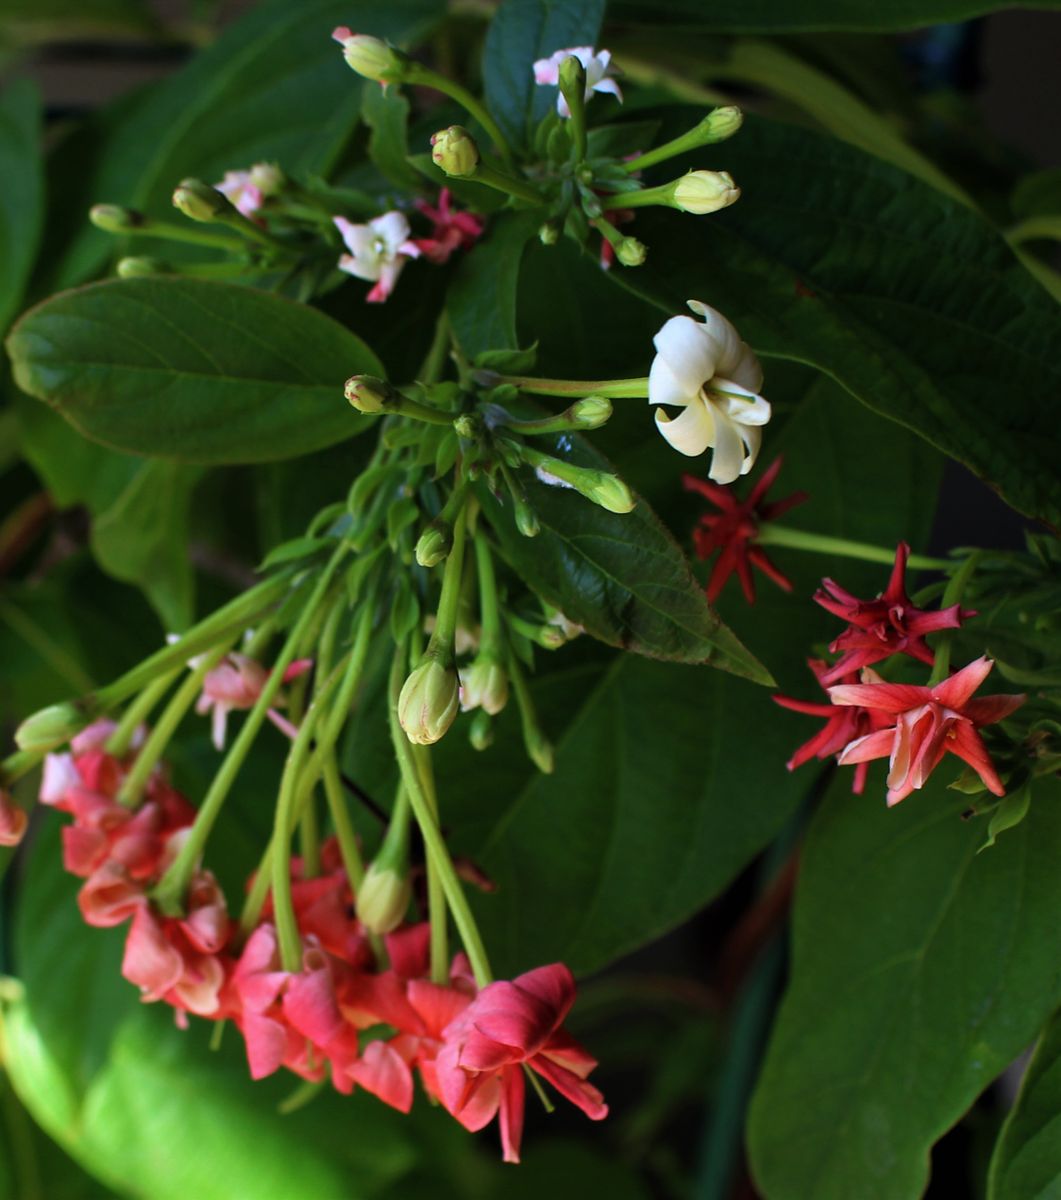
733 530
451 230
598 79
928 723
479 1069
887 625
842 725
378 251
13 821
236 683
248 190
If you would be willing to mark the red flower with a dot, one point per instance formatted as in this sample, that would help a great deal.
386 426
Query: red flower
888 625
842 725
479 1069
928 723
452 230
733 530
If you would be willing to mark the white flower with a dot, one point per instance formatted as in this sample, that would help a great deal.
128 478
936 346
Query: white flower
709 372
547 73
378 251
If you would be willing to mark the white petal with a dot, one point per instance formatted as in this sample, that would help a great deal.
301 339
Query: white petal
393 228
752 438
744 407
721 331
745 371
361 267
664 388
609 85
729 451
357 237
691 432
689 354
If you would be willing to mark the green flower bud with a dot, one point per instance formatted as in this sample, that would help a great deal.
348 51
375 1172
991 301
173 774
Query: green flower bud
50 727
484 684
366 393
721 123
201 202
481 730
549 234
137 267
383 898
630 252
434 543
526 519
702 192
428 702
112 218
591 412
454 151
539 750
609 492
268 178
370 57
469 425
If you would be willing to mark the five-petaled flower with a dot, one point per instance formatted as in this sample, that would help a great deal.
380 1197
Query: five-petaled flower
451 229
929 722
378 251
878 628
598 77
707 371
733 529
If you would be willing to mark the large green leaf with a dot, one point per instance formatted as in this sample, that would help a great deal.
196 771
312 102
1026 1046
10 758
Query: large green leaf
273 87
782 16
906 297
1027 1161
189 370
920 970
521 32
22 195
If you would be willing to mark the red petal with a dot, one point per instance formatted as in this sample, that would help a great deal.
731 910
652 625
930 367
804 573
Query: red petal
513 1093
382 1071
969 746
309 1005
956 691
570 1086
986 710
865 749
884 697
435 1004
266 1042
150 961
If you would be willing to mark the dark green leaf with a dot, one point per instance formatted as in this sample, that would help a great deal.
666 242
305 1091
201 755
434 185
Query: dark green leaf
22 194
195 371
522 32
65 20
386 112
1027 1161
920 970
907 298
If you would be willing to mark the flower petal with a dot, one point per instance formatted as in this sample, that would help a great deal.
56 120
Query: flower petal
956 691
691 432
688 351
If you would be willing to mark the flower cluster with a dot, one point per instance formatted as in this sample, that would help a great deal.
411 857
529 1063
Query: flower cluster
913 726
358 1012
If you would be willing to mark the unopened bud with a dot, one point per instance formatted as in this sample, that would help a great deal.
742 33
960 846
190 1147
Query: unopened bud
539 749
268 178
370 57
484 685
630 252
434 543
112 218
721 123
590 413
366 393
469 425
428 702
609 492
702 192
572 80
50 727
454 151
549 234
602 488
526 519
481 730
200 201
383 898
137 267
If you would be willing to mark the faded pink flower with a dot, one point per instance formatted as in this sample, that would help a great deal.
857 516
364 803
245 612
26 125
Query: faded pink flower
377 251
236 683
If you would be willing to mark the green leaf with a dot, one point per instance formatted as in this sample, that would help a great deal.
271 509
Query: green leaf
23 21
781 16
190 370
482 297
1026 1164
386 112
522 32
907 298
920 970
22 195
274 86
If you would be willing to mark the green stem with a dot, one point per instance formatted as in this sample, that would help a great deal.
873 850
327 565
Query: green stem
341 823
613 389
436 896
171 232
18 764
169 893
445 631
952 594
434 842
643 197
309 839
137 712
152 750
489 611
475 108
820 543
509 184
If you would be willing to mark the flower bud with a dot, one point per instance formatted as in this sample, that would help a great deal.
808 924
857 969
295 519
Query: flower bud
484 685
383 898
137 267
454 151
721 123
526 519
50 727
549 234
434 543
539 749
702 192
630 252
370 57
572 79
481 730
469 425
13 821
200 201
428 701
591 412
112 218
609 492
268 178
366 393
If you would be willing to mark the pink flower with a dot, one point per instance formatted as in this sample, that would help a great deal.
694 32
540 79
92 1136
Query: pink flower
929 723
879 628
248 190
236 683
451 230
479 1069
732 531
13 821
598 79
378 251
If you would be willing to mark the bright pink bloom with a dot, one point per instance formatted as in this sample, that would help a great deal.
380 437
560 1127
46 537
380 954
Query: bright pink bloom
879 628
733 530
842 725
929 722
479 1069
236 683
13 821
452 230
